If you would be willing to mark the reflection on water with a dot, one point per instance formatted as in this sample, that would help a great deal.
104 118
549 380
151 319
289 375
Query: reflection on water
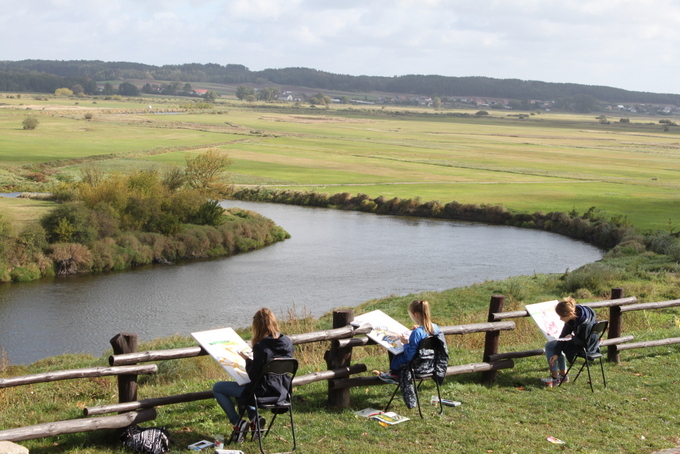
334 258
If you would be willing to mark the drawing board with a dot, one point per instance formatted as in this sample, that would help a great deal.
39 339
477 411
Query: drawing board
224 345
386 330
546 318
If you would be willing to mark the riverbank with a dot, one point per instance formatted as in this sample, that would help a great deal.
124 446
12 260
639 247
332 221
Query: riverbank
517 414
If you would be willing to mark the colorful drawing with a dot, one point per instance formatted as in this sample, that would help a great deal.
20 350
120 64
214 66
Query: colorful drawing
224 345
546 318
386 330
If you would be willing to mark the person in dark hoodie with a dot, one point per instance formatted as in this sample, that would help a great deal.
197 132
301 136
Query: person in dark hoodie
267 343
578 323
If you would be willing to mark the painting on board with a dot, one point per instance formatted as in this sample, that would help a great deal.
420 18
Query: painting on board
224 345
546 318
386 330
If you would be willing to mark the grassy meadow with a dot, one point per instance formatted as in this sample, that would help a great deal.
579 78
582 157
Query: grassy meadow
545 162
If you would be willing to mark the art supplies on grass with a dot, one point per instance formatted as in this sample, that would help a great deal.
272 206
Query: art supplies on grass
389 418
367 412
449 403
224 345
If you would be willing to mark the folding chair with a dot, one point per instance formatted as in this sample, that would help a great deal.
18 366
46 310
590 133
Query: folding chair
277 404
599 328
421 367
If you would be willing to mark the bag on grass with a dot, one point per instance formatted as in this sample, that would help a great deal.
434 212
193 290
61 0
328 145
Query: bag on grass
147 440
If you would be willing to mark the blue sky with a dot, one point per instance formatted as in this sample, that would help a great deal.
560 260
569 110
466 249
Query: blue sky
629 44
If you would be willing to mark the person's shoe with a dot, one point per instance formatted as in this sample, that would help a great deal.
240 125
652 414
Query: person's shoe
551 382
389 377
253 428
238 435
564 378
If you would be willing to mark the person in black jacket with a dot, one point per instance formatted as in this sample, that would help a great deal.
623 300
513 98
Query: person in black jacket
268 343
576 333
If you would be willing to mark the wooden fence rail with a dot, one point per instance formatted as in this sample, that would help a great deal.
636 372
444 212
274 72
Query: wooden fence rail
76 373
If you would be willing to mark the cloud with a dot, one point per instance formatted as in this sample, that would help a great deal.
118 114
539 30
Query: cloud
624 43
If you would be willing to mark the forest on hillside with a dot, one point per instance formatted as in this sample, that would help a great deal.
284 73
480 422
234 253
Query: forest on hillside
46 76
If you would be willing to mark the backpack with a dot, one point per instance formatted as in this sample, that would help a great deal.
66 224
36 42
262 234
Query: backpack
146 440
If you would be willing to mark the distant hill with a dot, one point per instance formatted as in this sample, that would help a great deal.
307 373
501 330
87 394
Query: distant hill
39 75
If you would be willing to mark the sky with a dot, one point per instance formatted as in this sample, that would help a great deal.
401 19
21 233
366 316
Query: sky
629 44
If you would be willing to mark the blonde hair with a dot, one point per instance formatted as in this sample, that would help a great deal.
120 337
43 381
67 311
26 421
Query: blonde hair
421 310
264 324
566 307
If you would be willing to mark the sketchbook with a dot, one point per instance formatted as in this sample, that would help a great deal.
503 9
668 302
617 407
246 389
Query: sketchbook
224 345
390 418
547 319
385 330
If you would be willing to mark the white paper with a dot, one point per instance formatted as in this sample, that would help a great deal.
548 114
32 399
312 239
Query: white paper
386 330
224 345
546 318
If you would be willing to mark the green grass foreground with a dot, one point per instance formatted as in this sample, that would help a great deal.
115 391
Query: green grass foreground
637 413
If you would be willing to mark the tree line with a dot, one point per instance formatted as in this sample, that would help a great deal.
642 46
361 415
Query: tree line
31 75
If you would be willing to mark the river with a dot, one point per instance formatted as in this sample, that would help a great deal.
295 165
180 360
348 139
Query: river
333 259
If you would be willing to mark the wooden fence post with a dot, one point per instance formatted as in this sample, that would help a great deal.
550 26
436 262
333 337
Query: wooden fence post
613 354
338 357
492 338
127 384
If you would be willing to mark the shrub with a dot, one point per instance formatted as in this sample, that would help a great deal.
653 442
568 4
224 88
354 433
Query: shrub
69 222
594 277
26 273
30 123
70 258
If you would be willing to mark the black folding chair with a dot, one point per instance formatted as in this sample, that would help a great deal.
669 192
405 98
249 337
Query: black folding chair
599 328
421 367
277 404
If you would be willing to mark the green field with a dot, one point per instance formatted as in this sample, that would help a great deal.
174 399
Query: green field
546 162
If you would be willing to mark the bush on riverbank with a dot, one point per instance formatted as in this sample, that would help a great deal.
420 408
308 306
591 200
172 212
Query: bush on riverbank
121 222
592 226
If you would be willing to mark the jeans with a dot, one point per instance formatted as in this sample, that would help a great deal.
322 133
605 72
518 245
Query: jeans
561 363
223 392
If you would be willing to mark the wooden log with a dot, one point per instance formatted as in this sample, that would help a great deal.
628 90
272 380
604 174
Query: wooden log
330 334
338 357
127 384
654 343
615 326
156 355
191 352
147 403
645 306
356 342
329 374
52 429
343 383
492 338
521 354
478 328
541 351
448 330
76 373
593 305
615 341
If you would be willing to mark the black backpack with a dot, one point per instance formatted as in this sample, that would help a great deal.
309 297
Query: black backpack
147 440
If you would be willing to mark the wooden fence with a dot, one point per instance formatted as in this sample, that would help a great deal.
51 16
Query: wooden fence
125 364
